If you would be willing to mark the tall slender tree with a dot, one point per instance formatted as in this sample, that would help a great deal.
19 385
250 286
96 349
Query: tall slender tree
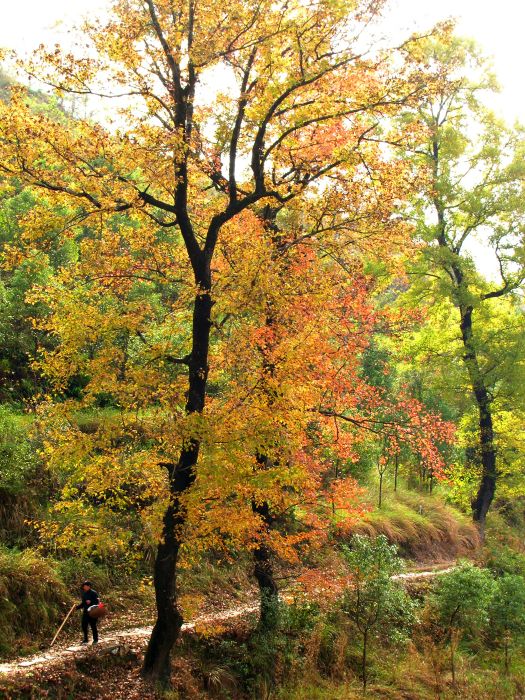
471 212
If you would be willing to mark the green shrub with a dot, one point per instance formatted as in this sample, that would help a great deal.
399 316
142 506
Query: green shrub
32 597
74 570
18 458
507 613
462 601
502 559
376 604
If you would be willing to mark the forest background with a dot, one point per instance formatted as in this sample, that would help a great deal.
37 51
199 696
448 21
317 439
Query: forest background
245 330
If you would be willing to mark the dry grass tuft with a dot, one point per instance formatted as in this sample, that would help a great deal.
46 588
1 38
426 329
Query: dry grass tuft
423 527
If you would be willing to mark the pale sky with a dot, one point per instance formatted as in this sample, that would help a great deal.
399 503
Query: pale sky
498 26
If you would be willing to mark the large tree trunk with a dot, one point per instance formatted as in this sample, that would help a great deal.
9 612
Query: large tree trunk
487 487
169 619
264 574
181 476
487 450
263 563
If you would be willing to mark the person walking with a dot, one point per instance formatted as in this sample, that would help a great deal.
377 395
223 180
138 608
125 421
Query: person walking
89 598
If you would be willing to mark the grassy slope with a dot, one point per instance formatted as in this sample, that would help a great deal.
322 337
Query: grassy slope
423 526
426 529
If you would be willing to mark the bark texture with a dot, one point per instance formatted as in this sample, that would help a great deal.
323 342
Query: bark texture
487 450
182 475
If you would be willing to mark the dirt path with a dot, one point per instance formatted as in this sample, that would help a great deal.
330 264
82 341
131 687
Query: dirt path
136 636
431 572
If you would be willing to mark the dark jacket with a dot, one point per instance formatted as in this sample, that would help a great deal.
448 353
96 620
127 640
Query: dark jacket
89 598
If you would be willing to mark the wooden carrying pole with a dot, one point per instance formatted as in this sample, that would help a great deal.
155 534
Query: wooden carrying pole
65 620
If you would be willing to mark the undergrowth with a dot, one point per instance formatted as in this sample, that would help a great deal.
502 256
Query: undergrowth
422 525
32 598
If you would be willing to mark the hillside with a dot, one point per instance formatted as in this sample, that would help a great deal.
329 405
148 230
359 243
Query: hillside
261 396
435 537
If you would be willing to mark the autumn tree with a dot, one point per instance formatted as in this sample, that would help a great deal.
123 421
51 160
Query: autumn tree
319 285
312 327
295 78
471 201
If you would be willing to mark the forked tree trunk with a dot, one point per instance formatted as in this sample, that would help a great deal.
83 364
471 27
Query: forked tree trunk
181 476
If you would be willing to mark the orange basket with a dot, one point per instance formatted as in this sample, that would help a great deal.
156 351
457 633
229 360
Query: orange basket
97 611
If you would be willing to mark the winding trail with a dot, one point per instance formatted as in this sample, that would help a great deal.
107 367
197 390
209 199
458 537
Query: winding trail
135 636
132 636
436 570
